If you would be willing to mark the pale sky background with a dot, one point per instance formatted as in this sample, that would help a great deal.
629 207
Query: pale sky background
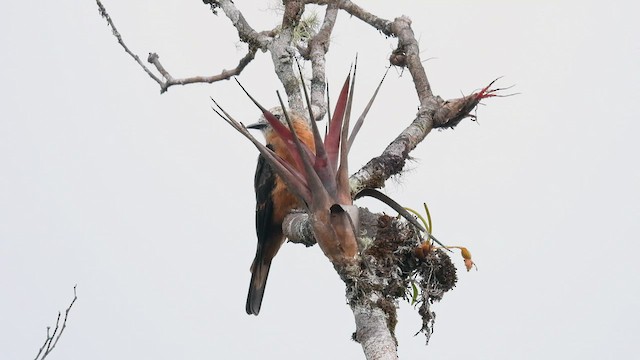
145 201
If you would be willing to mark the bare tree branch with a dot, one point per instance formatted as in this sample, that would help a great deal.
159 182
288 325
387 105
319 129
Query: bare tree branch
114 30
255 41
52 338
224 75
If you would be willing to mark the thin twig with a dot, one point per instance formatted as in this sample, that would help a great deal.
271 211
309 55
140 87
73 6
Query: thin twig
114 30
169 80
52 338
224 75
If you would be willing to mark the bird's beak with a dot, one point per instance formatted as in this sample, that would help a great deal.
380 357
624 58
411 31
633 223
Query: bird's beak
257 126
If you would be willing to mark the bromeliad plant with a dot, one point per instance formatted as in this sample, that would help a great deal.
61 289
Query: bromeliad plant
379 272
323 183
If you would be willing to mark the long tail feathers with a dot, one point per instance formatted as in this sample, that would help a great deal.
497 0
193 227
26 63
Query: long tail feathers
260 272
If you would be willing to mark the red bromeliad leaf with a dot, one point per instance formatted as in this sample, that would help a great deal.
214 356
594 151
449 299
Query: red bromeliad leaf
314 183
360 121
332 140
342 174
282 131
294 180
288 136
321 163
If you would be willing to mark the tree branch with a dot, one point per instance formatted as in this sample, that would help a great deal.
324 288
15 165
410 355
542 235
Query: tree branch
372 331
224 75
392 160
433 112
114 30
441 115
315 52
52 338
255 41
282 54
379 23
401 28
247 34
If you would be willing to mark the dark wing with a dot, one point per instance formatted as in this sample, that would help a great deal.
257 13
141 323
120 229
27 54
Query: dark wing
268 234
264 182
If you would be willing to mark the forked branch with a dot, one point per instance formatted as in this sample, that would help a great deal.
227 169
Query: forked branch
165 80
52 337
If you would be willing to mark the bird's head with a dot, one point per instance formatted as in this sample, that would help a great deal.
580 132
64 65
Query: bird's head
299 122
264 126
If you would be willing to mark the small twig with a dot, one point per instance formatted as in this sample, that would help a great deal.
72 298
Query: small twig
105 15
224 75
52 338
170 80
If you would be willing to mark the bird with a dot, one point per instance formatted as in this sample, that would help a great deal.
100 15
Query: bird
273 201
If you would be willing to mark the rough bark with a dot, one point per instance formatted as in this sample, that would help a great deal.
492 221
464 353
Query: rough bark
371 322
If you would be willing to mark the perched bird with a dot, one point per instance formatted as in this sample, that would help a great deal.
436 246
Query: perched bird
273 201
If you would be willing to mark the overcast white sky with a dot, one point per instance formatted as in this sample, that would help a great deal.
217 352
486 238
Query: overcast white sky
145 201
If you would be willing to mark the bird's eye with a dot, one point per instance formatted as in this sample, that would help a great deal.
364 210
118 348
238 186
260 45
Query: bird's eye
277 116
